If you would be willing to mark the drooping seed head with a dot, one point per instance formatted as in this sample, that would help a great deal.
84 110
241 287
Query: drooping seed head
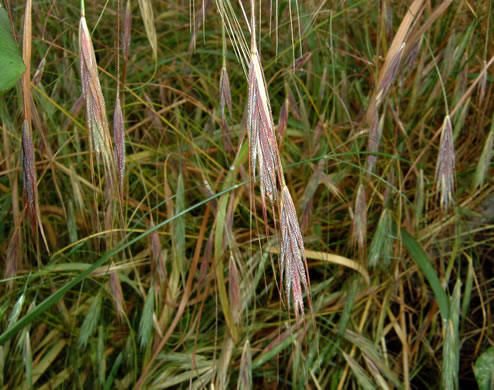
292 255
445 168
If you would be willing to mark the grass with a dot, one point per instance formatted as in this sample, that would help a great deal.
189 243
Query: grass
296 197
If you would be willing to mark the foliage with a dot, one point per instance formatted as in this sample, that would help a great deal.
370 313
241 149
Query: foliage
290 194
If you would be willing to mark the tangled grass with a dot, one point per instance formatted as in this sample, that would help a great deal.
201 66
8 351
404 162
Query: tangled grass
201 243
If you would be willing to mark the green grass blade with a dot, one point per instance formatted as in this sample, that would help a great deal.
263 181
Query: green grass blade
56 296
427 269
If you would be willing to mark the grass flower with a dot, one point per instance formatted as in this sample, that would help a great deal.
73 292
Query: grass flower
445 168
93 96
360 218
292 259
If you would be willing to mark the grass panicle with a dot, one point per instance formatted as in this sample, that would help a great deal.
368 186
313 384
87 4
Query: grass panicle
445 167
359 227
292 256
93 96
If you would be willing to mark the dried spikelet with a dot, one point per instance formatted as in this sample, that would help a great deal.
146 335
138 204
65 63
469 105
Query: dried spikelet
360 218
127 26
158 262
91 90
292 257
118 138
390 75
382 243
147 14
260 126
262 140
117 293
445 168
245 375
375 133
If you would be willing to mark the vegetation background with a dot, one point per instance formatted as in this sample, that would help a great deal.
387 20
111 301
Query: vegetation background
138 251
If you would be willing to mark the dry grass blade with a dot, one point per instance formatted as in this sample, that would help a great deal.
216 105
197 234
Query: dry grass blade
225 98
292 258
445 168
245 376
95 103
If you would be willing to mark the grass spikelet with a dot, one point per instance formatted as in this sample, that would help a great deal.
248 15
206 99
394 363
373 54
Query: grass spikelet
360 218
245 375
127 27
158 262
382 243
260 126
93 96
445 168
147 14
451 347
146 323
119 140
292 257
375 133
90 321
390 74
225 93
117 293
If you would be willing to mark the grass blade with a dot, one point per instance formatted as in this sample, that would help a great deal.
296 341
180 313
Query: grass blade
418 254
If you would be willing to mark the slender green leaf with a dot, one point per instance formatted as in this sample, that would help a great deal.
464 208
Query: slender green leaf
56 296
427 269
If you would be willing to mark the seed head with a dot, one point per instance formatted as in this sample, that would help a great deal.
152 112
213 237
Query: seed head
445 168
292 258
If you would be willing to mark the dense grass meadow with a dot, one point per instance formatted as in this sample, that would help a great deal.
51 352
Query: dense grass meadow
248 194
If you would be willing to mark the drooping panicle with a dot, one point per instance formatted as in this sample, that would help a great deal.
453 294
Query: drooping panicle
292 255
445 168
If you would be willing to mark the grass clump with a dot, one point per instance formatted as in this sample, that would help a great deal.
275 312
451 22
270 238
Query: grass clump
193 242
